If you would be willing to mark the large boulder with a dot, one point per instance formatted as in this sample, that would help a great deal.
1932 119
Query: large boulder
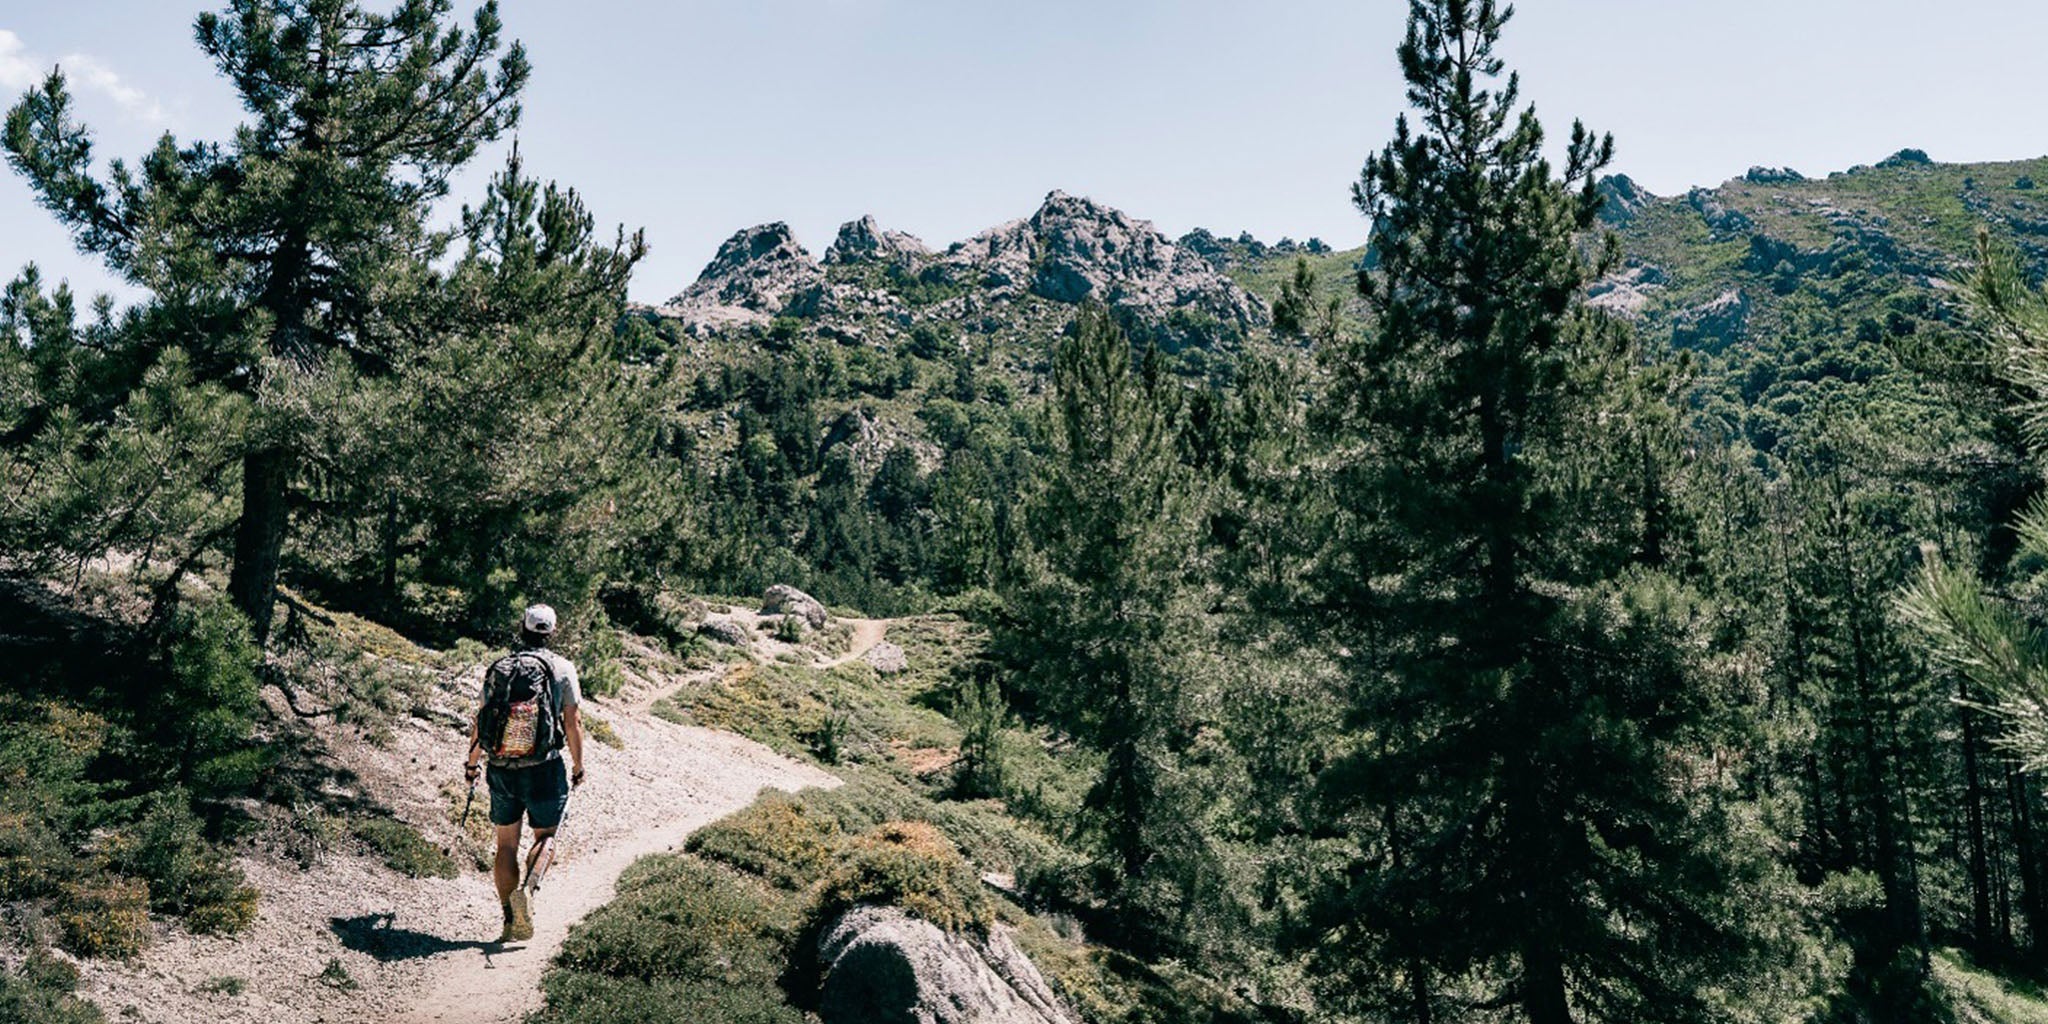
1626 292
1719 215
1773 176
783 599
727 631
886 658
1713 325
1622 199
882 966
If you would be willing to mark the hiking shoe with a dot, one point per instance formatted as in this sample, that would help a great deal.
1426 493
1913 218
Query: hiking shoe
505 935
519 926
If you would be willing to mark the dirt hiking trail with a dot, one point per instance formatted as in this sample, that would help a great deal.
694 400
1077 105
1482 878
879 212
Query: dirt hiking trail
485 984
866 634
348 940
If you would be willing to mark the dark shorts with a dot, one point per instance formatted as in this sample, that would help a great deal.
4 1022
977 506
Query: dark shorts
539 792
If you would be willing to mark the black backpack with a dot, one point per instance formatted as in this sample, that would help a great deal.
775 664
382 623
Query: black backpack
517 685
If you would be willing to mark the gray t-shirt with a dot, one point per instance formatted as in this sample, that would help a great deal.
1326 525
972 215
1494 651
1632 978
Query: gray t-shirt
568 694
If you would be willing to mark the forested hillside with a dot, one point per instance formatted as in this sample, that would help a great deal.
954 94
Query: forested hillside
1554 603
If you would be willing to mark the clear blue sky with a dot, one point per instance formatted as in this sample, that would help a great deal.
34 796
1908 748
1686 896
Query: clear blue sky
694 118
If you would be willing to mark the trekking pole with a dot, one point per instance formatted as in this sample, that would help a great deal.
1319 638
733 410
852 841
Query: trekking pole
471 799
547 856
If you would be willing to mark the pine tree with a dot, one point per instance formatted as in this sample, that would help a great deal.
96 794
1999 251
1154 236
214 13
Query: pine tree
1102 620
1525 689
1298 312
490 466
283 263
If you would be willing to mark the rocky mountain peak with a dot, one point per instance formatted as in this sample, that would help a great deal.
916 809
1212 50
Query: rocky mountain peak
755 274
864 240
1773 176
1072 249
1087 250
1623 198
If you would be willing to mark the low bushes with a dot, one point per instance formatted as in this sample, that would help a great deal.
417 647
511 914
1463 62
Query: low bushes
104 916
402 848
686 939
97 861
906 864
779 839
40 991
186 875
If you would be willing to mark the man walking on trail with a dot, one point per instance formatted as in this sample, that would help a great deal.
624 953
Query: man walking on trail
529 712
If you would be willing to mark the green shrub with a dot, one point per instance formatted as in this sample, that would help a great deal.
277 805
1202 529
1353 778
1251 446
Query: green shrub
302 833
602 731
106 917
206 708
45 796
979 709
187 876
403 849
834 640
984 832
910 865
226 985
790 629
336 977
685 940
778 838
40 992
575 997
33 858
653 612
598 657
237 771
828 739
684 919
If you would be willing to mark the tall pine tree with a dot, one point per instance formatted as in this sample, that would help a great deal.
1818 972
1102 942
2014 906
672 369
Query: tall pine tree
1529 783
282 264
1103 618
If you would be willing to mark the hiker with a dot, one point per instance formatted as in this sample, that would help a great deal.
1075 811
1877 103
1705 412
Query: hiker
528 713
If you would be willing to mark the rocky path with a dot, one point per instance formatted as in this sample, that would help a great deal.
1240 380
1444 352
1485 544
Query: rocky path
489 984
348 940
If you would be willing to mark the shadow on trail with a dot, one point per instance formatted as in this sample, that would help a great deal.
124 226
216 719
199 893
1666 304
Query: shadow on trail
372 935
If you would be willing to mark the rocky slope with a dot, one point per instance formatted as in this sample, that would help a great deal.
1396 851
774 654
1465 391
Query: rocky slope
1704 269
1877 250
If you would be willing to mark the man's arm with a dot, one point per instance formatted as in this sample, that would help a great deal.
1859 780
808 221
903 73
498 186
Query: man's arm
476 747
572 730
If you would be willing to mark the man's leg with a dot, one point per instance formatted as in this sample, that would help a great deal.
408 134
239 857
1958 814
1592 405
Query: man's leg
533 853
505 866
508 807
544 809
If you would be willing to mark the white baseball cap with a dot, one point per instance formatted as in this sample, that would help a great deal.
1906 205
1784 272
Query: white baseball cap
539 619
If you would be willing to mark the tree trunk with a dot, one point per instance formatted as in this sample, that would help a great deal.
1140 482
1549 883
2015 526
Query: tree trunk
388 578
259 537
1543 994
1419 998
1980 871
2033 901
